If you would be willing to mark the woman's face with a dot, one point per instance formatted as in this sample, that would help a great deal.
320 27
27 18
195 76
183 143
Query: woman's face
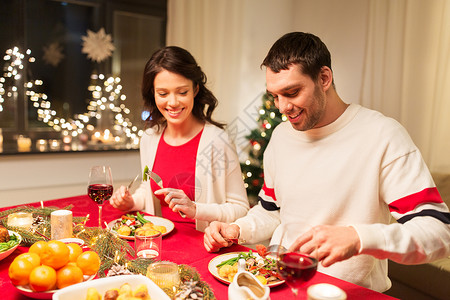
174 97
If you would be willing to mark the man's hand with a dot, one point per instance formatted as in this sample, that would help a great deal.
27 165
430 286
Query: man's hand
218 235
122 199
334 243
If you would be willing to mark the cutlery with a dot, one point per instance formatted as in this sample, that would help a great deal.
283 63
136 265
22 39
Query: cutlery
132 182
155 177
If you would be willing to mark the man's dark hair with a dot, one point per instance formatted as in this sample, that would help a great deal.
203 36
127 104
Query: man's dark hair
304 49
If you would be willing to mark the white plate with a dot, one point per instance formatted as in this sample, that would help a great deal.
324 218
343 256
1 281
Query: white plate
25 290
6 253
155 220
212 267
78 291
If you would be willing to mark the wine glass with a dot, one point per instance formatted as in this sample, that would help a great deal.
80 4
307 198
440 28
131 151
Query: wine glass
100 187
296 267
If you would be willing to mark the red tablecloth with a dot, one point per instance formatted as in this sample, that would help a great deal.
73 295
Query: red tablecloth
184 245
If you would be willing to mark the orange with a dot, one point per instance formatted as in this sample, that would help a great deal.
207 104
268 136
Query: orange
38 247
68 275
55 255
75 251
19 271
88 262
42 278
31 257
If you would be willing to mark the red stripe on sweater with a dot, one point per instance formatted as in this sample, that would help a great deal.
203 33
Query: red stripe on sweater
410 202
269 192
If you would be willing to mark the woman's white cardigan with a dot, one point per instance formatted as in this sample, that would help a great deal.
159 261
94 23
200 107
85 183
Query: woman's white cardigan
219 187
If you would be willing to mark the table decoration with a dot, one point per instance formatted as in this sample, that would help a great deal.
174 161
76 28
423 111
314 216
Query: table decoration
20 219
40 229
61 224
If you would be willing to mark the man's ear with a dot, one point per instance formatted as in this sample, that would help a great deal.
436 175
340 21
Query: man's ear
326 78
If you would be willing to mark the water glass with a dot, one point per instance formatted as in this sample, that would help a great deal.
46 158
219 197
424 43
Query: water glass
148 246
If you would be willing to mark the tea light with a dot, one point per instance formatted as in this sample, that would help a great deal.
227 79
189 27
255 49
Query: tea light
61 224
41 145
23 143
54 144
165 275
20 219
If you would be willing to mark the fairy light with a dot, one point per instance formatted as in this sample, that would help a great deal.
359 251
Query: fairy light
106 95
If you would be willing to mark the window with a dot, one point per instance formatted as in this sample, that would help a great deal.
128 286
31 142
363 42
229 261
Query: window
46 96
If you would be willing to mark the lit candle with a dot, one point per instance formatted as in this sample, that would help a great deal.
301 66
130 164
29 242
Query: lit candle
61 224
41 145
20 219
23 143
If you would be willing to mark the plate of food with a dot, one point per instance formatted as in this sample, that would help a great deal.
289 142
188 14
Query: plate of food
121 284
9 241
130 224
224 267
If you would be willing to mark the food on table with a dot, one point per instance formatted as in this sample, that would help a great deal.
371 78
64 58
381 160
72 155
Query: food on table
130 225
125 292
53 264
4 234
74 251
263 267
10 241
89 262
42 278
55 254
68 275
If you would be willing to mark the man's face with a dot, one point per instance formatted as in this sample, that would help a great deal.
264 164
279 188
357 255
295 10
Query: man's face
297 96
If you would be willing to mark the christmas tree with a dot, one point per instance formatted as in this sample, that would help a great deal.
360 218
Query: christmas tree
252 168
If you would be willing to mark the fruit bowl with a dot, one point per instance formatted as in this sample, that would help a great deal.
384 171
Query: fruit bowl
26 291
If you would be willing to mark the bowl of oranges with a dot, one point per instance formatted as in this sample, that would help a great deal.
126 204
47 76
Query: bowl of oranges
52 265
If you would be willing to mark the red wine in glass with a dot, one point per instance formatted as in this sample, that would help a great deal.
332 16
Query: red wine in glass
296 269
100 192
100 187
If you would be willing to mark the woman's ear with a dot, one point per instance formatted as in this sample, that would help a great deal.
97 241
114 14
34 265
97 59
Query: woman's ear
196 90
326 78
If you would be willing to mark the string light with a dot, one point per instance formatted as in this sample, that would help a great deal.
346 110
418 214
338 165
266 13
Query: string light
106 96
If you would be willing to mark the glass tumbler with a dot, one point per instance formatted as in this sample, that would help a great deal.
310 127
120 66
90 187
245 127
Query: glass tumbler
165 274
148 246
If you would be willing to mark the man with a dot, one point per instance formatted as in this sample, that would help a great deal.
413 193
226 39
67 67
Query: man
343 169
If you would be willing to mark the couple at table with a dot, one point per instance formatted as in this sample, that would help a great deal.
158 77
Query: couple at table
342 168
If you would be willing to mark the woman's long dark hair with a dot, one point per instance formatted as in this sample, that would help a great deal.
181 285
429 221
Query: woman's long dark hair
177 60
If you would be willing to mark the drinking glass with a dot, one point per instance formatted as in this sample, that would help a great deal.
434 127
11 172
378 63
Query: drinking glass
100 187
296 267
148 246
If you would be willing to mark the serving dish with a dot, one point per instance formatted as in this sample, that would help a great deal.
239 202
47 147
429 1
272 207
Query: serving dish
155 220
212 268
79 291
7 252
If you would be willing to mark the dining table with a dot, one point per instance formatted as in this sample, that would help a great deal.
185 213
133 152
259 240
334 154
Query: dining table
184 245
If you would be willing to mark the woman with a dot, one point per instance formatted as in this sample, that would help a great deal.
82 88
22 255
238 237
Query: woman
191 152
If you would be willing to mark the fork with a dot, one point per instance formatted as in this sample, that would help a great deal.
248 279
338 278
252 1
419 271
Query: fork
159 182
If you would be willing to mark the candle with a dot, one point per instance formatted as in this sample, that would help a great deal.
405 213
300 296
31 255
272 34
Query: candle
20 219
23 143
41 145
54 144
61 224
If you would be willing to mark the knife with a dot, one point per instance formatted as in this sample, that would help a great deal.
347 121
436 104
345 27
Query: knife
155 177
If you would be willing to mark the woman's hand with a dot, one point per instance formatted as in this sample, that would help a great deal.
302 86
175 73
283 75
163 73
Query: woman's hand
121 199
178 201
219 235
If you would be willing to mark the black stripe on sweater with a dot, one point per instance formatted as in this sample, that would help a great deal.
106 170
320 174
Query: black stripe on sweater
441 216
268 205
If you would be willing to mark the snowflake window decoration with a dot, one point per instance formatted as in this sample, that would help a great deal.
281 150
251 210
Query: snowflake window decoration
53 54
98 46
